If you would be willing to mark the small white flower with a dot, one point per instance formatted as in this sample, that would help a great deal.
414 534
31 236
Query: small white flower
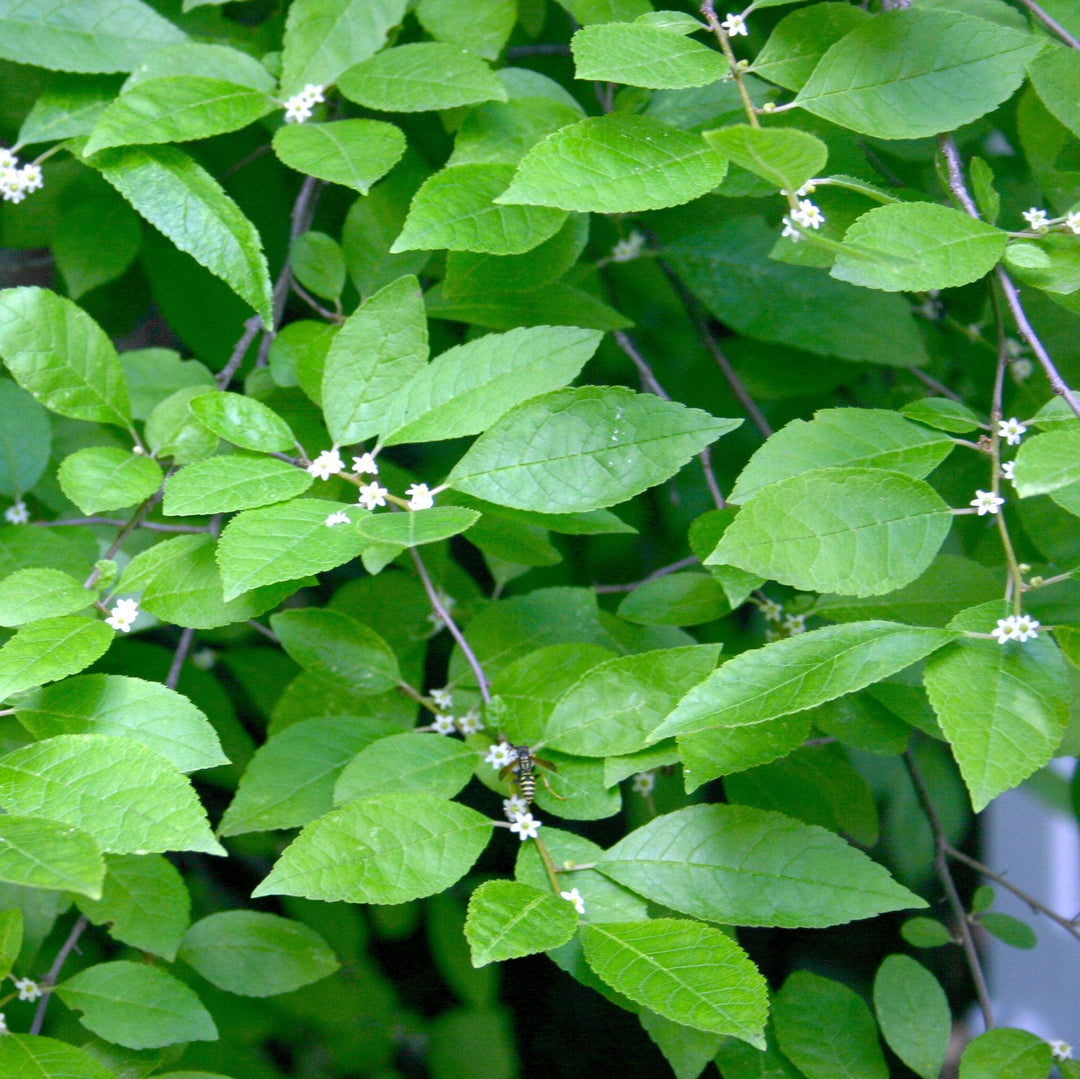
1061 1050
314 95
17 514
807 189
629 249
7 159
986 502
28 988
365 463
808 215
790 231
734 26
443 724
1072 222
1021 369
574 896
643 783
372 495
1004 630
123 614
31 177
420 498
1007 470
339 518
795 624
1036 219
1012 430
514 806
327 464
500 755
526 826
3 1025
11 186
470 723
771 610
298 108
771 635
442 698
1024 627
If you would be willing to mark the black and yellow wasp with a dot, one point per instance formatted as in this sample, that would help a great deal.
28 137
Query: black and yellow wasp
523 770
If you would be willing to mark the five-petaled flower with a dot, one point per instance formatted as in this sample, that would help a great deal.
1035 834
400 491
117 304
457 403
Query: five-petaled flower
17 514
790 231
643 783
28 988
123 614
514 806
365 463
500 755
1012 430
734 26
629 249
339 518
574 896
470 723
526 826
1007 470
442 698
443 724
986 502
420 498
1060 1050
795 623
1036 219
327 464
772 610
372 495
300 106
808 215
1072 222
1017 627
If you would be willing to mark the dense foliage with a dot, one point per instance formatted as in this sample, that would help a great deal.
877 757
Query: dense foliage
498 477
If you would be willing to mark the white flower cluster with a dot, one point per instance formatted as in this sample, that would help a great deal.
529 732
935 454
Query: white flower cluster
1017 627
805 216
123 615
300 106
17 182
629 249
329 463
470 723
500 755
1039 221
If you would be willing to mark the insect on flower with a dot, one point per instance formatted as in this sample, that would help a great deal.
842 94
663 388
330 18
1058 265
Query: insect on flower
522 769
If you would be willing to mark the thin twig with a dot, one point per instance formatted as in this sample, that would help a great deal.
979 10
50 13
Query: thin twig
322 312
932 383
118 522
268 633
1051 24
708 11
663 571
537 50
126 530
549 865
941 867
54 971
181 654
251 328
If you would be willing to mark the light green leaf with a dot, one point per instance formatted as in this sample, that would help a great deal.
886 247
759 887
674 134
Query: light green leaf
690 973
785 156
25 439
380 347
639 54
173 430
722 751
1009 930
28 595
676 599
154 374
407 762
243 421
1048 462
500 132
123 707
416 527
942 413
206 61
381 850
925 933
454 209
318 263
255 954
616 163
467 388
49 649
742 866
421 77
583 449
93 35
187 204
108 478
913 1013
481 26
857 531
1019 1054
916 246
283 543
1055 74
800 39
37 853
60 355
35 1057
237 482
592 11
137 1006
354 153
908 74
127 797
507 920
72 550
69 107
80 255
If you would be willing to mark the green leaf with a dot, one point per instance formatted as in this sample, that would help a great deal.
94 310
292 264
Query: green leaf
205 61
187 204
417 527
925 933
60 355
353 153
144 904
784 156
467 388
283 543
1048 462
50 649
692 974
943 414
419 78
108 478
137 1006
407 762
318 264
11 938
742 866
507 920
177 110
616 163
155 374
72 550
500 132
127 797
95 35
37 853
879 78
1006 1051
28 595
381 850
916 246
826 1030
582 449
123 707
381 346
914 1014
255 954
676 599
800 39
238 482
337 649
454 209
243 421
81 257
1009 930
324 37
724 750
613 706
858 531
639 54
290 779
173 430
797 673
31 1056
68 107
1055 74
481 27
25 439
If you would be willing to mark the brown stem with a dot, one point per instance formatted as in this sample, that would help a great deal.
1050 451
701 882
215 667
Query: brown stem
932 383
179 656
663 571
708 11
1051 24
54 971
132 524
251 328
116 522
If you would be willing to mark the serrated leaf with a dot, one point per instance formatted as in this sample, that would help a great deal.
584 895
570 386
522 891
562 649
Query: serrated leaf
181 199
1006 1051
127 797
123 707
507 919
237 482
68 107
60 355
1048 462
31 1056
1055 75
639 54
942 413
108 478
255 954
913 1013
418 526
49 649
137 1006
690 973
381 850
206 61
583 449
28 595
37 853
858 531
799 41
354 153
616 163
785 156
154 374
243 421
908 74
481 27
407 762
742 866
